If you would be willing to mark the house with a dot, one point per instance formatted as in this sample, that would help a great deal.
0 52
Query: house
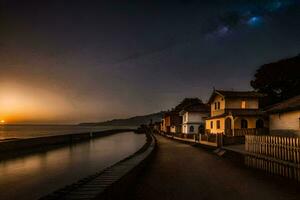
193 118
163 127
157 126
284 117
235 113
172 122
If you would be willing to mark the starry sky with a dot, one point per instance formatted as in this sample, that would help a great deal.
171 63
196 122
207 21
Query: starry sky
65 61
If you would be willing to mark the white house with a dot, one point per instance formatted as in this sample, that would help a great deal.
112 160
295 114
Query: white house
284 117
193 118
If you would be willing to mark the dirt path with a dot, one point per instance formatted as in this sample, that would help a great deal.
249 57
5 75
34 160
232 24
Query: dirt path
180 171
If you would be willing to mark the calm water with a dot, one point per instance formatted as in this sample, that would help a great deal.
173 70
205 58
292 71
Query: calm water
33 176
29 131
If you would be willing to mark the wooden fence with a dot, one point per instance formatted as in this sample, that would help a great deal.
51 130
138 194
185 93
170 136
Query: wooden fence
211 139
274 154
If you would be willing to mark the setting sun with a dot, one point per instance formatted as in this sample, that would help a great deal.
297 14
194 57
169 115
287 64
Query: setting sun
2 121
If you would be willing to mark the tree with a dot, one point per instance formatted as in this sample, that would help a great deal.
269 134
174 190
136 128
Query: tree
187 102
279 80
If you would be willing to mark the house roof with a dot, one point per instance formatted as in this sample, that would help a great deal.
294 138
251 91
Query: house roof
239 112
287 105
235 94
202 108
170 113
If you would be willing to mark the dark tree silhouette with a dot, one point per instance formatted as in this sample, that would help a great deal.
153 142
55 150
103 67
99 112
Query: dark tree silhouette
279 80
187 102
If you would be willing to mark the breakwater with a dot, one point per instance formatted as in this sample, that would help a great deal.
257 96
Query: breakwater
41 173
22 146
112 183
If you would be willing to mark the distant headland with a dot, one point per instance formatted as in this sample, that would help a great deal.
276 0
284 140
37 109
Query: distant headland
133 121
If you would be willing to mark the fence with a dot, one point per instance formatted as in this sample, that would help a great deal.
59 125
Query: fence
211 139
274 154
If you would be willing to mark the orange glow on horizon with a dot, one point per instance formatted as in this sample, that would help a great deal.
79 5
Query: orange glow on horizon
28 104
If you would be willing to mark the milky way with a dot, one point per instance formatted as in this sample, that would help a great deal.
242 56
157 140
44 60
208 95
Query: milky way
252 14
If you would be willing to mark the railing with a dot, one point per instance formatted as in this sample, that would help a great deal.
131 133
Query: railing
211 139
184 136
275 154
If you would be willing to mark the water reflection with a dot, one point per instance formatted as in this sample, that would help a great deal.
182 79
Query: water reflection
32 176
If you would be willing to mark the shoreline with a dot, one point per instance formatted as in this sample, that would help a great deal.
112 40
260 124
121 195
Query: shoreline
10 149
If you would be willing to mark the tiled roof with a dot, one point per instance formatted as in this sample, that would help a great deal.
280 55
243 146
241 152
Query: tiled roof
287 105
239 93
197 108
235 94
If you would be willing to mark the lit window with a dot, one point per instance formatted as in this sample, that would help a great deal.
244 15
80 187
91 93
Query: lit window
243 104
211 124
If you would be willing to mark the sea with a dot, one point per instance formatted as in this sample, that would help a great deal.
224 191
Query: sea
10 132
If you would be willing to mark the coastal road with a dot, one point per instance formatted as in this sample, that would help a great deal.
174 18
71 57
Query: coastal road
181 171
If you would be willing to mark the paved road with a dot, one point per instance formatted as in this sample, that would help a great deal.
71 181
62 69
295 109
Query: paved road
181 171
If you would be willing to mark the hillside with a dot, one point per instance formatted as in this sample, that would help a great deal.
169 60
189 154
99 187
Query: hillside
133 121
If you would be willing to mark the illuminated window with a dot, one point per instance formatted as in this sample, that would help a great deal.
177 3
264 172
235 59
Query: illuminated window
243 104
211 124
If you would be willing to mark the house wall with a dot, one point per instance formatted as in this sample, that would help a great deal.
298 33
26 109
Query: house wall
215 129
285 122
217 111
236 125
163 125
251 122
186 128
168 121
173 129
251 103
193 117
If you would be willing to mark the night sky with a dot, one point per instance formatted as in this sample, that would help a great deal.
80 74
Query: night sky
66 61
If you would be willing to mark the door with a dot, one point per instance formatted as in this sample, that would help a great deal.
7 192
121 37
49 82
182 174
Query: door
228 129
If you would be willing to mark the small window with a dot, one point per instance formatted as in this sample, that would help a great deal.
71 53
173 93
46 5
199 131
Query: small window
243 104
219 105
191 128
218 124
215 105
211 124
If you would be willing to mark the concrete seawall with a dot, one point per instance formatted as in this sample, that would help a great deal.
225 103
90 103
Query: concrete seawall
29 145
112 183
